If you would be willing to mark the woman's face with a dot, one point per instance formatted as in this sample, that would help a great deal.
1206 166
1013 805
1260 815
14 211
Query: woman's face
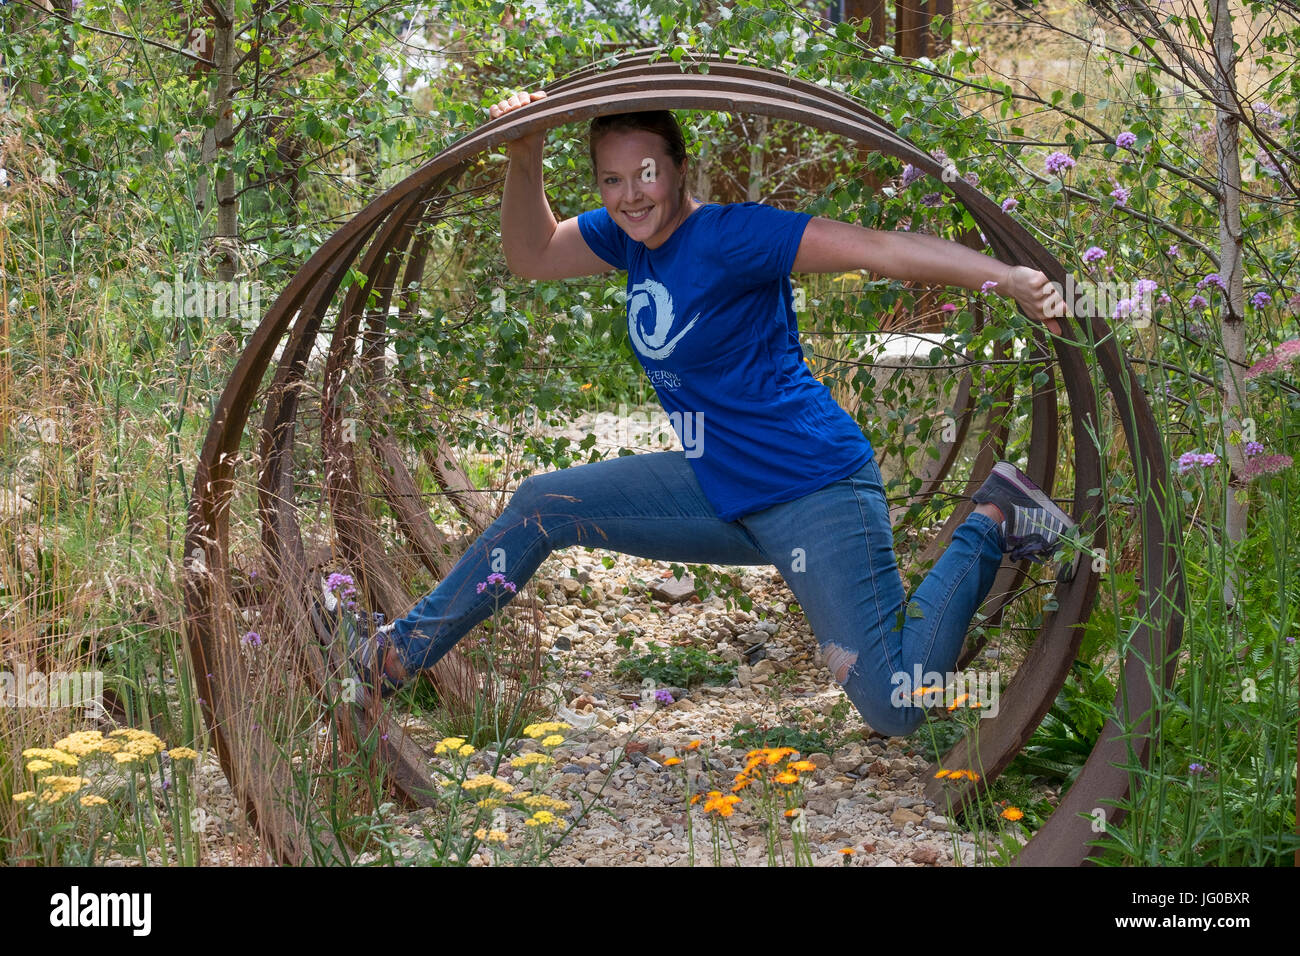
639 185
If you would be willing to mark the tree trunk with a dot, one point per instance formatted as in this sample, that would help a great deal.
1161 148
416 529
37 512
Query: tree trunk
1230 265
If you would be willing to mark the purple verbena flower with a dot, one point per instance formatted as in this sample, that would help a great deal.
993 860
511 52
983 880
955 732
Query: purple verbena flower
1212 279
1197 301
1010 203
931 199
252 639
1196 768
1057 162
663 697
988 287
911 174
1120 195
1173 250
1093 254
1190 459
1260 299
1252 448
1126 139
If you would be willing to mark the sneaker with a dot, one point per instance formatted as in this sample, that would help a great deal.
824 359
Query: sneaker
1033 527
372 657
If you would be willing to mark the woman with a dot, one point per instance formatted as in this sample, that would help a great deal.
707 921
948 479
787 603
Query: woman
776 473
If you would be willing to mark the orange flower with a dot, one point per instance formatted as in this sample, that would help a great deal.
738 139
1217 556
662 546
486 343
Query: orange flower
792 812
693 745
1013 813
925 690
786 777
942 773
672 761
776 754
847 851
724 805
695 799
957 703
806 766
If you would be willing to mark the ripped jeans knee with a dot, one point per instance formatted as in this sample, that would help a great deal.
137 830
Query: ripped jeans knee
875 704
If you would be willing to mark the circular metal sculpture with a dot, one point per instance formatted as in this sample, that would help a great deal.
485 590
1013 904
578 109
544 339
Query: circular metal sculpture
384 243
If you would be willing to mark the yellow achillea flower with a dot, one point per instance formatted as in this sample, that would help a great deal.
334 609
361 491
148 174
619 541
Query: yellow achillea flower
541 817
140 742
786 777
547 727
543 800
183 753
487 780
528 760
24 796
488 803
553 741
672 761
491 836
81 743
124 757
449 743
39 766
110 746
93 800
804 766
466 750
1013 813
64 785
53 755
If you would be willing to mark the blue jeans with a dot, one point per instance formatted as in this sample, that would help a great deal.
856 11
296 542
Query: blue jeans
834 547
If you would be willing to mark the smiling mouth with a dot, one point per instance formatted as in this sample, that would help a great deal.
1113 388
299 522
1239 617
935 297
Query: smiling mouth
638 216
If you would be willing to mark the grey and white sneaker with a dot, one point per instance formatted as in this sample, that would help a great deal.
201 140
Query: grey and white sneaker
372 657
1033 527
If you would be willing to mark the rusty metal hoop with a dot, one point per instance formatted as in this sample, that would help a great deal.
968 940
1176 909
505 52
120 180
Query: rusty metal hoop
389 224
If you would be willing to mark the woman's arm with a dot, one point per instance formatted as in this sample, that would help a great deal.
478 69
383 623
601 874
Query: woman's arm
535 245
829 245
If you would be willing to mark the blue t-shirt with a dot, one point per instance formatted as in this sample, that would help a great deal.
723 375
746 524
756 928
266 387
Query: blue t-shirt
710 314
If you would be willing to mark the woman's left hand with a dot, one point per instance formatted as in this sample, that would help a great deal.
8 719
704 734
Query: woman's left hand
1037 295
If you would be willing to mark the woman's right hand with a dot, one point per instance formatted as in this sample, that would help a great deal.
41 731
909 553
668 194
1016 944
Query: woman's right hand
514 102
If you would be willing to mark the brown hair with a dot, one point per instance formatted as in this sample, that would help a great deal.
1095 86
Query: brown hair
654 121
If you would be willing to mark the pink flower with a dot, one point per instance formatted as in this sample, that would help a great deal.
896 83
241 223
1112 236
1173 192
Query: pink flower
987 287
1282 356
1010 203
1264 465
948 307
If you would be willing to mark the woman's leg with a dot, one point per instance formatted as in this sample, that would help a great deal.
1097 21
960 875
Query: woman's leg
835 549
648 505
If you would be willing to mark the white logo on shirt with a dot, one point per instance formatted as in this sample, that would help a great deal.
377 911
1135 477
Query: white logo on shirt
651 345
